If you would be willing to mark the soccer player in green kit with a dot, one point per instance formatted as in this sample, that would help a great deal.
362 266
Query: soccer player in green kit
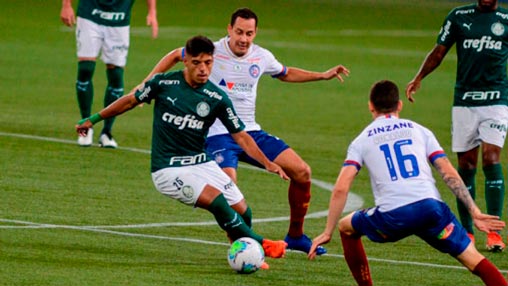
102 26
480 112
186 105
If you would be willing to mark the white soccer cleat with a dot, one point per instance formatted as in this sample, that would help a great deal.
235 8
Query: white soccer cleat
87 140
107 141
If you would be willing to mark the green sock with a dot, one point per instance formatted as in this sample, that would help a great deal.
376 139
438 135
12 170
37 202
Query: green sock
494 189
247 217
231 221
468 176
114 91
84 87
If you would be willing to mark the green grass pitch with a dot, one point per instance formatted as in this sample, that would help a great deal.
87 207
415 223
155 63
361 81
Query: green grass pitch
88 216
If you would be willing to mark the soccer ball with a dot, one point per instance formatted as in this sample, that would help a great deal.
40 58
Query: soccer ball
246 255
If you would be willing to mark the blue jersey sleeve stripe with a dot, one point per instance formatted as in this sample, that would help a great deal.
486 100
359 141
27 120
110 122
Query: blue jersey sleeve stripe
352 163
284 71
436 155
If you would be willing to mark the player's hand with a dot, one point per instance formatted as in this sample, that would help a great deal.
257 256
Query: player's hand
67 16
151 20
276 169
337 72
411 89
83 126
488 223
319 240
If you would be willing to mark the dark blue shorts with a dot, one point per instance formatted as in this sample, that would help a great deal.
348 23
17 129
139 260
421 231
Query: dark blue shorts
429 219
227 153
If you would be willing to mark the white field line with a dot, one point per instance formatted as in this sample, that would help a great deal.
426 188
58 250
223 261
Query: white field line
200 241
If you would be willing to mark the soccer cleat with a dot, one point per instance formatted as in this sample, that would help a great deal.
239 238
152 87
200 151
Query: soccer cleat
264 266
302 243
87 140
274 248
471 236
107 141
494 242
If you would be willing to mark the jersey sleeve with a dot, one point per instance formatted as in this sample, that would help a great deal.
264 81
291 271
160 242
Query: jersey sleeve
447 34
273 66
147 92
433 148
354 155
227 115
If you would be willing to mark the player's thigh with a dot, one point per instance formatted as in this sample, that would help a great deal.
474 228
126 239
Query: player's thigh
443 231
465 129
272 146
494 124
279 152
116 45
89 38
186 184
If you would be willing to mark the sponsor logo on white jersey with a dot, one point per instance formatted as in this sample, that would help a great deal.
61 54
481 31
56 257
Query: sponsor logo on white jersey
111 16
187 121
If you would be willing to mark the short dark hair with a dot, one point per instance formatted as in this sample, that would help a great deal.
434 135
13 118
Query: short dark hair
384 96
244 13
199 44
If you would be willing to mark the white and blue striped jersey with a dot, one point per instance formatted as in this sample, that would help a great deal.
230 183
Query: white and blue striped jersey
396 153
238 77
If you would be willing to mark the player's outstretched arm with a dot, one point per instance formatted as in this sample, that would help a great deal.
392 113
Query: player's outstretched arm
451 177
248 144
336 207
67 13
300 75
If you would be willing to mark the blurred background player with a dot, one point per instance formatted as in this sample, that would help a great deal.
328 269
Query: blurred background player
239 66
186 105
102 27
407 200
480 112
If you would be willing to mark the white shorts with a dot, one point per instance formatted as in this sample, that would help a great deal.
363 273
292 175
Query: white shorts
112 42
473 125
185 184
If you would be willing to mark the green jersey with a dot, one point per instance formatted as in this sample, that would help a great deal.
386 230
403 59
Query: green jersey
181 118
481 40
112 13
